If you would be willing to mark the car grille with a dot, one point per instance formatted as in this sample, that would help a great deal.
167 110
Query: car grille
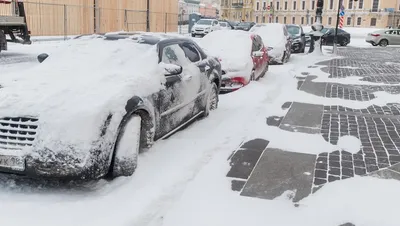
199 29
17 132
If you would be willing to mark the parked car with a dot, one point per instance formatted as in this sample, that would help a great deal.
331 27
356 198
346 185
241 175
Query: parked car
384 37
225 25
343 37
71 120
243 58
245 26
298 38
204 27
277 39
256 27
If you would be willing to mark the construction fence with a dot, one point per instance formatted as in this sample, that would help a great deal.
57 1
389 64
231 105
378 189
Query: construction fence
46 19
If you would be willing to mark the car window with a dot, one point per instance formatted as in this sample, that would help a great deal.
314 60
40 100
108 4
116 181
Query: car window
256 44
215 22
222 24
204 22
191 52
174 54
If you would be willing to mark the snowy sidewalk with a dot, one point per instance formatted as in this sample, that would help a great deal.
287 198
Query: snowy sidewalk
338 134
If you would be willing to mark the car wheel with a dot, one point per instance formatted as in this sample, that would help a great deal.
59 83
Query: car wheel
127 148
383 43
193 35
212 100
344 42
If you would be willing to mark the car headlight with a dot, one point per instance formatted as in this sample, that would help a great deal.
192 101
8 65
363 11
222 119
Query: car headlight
207 29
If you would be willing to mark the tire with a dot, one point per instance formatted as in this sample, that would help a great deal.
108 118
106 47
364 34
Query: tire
212 100
344 42
193 35
127 148
384 42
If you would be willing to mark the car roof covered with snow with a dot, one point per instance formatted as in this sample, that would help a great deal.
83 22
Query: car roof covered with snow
272 34
232 47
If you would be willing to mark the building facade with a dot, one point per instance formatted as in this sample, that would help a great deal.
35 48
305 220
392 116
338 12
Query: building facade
361 13
237 10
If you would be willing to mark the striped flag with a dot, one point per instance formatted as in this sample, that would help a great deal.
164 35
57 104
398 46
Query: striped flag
341 22
341 14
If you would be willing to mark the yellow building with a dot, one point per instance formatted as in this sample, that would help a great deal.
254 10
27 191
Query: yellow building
361 13
237 10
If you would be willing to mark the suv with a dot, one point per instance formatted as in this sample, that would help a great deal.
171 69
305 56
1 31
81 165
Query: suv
298 37
205 26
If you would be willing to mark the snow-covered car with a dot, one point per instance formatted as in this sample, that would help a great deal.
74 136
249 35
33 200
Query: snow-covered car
298 38
95 103
243 57
205 26
277 39
225 25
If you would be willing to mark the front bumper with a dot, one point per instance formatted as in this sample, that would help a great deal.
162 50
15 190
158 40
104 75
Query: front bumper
67 166
200 32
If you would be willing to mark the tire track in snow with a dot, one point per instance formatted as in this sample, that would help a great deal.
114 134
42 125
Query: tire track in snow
155 212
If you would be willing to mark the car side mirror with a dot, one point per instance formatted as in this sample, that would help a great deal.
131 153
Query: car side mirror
303 35
42 57
171 69
257 54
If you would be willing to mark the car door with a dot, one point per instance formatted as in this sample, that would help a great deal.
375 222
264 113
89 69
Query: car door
396 38
329 36
198 81
176 97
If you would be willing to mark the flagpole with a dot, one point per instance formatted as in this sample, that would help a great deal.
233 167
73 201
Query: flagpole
336 30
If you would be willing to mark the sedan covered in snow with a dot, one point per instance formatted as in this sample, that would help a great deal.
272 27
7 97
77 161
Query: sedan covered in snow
278 40
243 57
96 102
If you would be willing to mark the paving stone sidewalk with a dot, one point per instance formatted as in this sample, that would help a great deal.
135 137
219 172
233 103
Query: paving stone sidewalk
259 171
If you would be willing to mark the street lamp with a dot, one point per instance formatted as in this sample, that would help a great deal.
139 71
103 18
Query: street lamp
337 25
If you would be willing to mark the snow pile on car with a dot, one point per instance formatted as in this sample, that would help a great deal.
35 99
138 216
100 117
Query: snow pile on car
232 47
78 86
272 35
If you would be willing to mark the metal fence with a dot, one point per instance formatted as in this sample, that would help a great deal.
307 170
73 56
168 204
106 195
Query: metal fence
46 19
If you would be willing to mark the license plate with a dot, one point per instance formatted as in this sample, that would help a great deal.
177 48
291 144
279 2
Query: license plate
12 162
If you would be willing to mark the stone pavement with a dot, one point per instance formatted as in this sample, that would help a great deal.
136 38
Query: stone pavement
259 171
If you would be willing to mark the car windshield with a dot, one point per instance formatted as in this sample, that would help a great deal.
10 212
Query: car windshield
204 22
293 30
244 24
223 24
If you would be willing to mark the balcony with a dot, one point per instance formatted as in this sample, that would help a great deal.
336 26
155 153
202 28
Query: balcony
237 5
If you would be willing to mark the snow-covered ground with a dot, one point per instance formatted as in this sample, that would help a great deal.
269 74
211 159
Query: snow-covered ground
181 181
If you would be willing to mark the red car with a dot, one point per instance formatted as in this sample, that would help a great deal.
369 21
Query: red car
243 57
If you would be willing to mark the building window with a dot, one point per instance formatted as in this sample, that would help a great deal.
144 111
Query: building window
375 5
277 5
360 4
359 21
373 22
258 6
348 20
303 5
264 6
350 4
263 19
293 20
312 5
302 20
256 19
276 19
285 5
270 5
294 5
284 20
330 4
329 20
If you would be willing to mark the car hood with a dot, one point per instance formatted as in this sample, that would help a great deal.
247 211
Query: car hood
78 86
201 26
236 64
